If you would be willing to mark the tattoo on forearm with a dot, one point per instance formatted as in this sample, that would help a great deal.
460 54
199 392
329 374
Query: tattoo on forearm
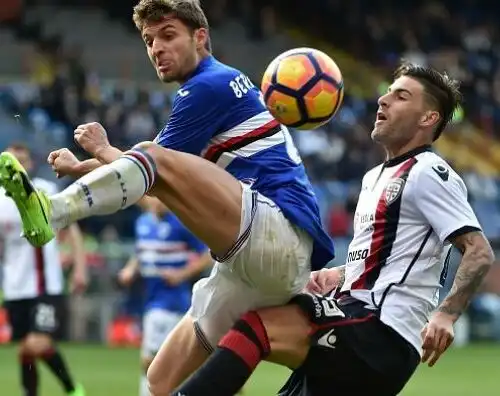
342 276
475 264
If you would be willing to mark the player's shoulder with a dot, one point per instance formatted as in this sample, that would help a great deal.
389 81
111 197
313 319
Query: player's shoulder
216 78
431 166
47 186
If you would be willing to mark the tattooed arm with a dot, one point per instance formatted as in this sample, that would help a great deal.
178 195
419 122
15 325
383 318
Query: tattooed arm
341 270
476 262
477 259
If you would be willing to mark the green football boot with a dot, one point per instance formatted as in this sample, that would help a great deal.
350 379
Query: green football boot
33 205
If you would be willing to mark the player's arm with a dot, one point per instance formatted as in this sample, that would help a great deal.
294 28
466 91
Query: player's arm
441 197
326 280
477 259
76 242
102 157
128 273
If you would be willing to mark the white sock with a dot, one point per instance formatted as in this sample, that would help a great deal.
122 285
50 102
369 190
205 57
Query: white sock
105 190
144 389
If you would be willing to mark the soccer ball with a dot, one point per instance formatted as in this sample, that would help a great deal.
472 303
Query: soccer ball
303 88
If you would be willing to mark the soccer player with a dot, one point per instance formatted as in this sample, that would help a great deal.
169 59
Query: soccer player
247 198
167 257
33 289
385 317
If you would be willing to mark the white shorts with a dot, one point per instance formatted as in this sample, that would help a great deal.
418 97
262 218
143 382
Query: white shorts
269 263
156 326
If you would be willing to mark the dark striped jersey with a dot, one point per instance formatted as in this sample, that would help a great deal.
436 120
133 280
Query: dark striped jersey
408 210
220 115
27 272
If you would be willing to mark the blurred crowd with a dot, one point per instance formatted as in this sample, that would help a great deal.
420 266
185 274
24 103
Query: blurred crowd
458 36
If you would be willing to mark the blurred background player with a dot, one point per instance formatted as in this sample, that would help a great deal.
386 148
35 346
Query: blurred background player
168 258
224 166
385 317
33 288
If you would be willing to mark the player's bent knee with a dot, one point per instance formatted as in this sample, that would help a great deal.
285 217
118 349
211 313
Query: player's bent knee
37 344
288 330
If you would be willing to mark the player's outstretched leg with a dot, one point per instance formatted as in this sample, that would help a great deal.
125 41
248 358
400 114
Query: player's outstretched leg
34 206
205 198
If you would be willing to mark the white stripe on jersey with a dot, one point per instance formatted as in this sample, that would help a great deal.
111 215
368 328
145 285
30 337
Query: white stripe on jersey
151 256
164 246
246 127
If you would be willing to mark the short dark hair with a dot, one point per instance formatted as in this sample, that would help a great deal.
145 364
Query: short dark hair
443 92
188 11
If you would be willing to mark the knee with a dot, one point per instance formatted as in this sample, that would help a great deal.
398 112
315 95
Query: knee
37 344
146 146
156 153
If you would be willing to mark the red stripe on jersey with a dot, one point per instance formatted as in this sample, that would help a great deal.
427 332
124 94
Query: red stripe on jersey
40 270
374 261
214 152
163 250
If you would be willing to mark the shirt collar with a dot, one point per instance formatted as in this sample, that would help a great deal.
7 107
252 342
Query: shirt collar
409 154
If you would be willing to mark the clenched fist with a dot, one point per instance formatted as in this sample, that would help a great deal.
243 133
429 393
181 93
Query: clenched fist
63 162
324 280
92 137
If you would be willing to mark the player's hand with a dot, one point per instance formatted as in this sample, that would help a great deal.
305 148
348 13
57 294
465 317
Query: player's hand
437 336
92 137
173 276
63 162
324 280
79 281
126 276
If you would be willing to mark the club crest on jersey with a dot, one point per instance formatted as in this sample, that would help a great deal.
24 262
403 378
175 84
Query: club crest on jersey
393 190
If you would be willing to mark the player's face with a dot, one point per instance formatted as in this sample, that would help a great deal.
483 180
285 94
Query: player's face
23 156
401 114
172 48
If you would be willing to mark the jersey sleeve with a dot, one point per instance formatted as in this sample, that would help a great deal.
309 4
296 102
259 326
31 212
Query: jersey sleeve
196 116
441 197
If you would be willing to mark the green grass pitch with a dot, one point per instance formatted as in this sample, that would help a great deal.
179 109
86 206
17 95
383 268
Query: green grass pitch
107 372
